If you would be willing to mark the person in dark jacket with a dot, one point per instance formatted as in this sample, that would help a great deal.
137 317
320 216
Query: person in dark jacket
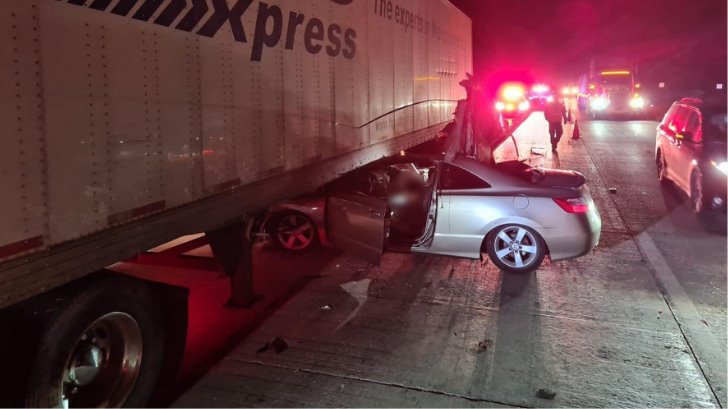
555 113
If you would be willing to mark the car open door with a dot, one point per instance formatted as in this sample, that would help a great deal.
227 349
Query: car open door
357 223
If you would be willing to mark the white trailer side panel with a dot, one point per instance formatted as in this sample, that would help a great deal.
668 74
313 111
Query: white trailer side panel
23 200
112 110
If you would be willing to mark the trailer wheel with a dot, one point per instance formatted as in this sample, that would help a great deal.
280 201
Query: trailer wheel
102 349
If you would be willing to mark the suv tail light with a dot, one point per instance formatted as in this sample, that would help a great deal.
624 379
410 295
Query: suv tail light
573 205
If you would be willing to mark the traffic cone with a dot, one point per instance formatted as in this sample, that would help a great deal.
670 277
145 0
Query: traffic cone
575 134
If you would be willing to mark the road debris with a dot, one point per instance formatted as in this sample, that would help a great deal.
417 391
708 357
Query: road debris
537 150
279 345
612 190
484 345
704 322
326 307
263 348
545 394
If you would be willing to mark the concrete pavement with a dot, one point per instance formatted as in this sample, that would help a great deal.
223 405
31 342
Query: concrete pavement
604 330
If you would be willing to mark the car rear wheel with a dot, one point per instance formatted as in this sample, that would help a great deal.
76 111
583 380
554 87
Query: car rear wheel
661 167
516 249
293 231
697 194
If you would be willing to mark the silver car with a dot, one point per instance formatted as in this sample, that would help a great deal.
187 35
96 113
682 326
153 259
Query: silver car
463 208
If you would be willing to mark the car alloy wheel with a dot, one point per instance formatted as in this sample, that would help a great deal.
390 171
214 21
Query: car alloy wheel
661 167
697 199
294 232
516 248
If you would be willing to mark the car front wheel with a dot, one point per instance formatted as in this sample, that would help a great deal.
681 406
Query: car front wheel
293 231
516 249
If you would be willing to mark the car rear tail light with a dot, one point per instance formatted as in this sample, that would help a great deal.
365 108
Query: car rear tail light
573 205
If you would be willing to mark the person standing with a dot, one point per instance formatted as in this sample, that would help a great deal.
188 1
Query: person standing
555 113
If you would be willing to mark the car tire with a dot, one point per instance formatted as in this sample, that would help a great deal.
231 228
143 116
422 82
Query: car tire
698 202
118 321
661 167
293 231
506 246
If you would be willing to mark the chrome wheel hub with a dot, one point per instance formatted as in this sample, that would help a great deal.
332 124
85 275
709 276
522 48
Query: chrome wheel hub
86 365
103 367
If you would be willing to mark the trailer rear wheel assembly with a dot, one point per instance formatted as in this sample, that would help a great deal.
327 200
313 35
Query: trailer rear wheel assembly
104 348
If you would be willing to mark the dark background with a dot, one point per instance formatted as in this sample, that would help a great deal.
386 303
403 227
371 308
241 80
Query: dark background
680 42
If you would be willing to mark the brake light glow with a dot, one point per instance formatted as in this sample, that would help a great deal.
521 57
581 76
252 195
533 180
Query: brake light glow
573 205
523 106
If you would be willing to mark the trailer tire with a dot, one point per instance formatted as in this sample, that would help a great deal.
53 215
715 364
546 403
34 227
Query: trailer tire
114 329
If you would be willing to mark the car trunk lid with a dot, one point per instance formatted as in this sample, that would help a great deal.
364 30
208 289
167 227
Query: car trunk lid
556 178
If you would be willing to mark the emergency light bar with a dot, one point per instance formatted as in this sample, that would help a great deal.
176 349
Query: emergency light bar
615 73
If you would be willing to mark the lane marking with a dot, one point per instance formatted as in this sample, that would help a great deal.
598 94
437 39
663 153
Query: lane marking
703 346
707 352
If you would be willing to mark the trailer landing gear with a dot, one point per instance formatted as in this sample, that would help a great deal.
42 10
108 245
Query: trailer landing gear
232 246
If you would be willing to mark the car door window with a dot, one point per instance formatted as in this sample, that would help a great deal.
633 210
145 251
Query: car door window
456 178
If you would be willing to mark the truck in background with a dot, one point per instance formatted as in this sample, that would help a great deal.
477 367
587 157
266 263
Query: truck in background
126 124
611 88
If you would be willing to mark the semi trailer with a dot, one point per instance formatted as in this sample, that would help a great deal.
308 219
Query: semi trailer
128 123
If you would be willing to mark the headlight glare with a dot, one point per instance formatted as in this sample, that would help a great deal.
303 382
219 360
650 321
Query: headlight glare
599 103
722 166
637 103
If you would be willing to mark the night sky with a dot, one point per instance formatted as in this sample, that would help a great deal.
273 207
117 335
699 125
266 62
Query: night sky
553 40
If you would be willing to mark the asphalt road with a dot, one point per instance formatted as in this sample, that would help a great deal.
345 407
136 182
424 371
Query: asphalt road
639 322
